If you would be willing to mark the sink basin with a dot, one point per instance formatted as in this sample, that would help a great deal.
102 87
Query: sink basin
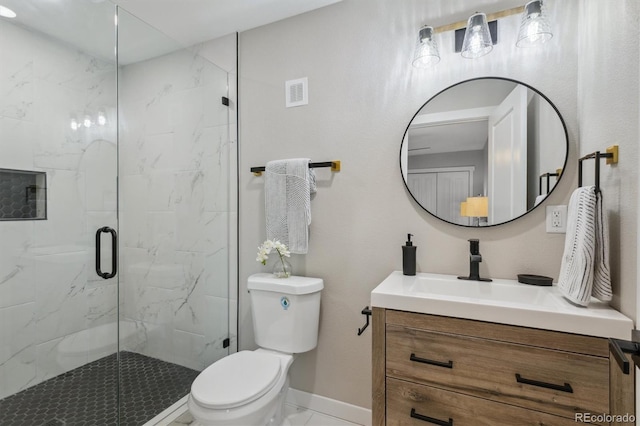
490 292
501 301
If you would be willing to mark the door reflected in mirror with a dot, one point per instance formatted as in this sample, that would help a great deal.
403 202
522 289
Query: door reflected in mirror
490 142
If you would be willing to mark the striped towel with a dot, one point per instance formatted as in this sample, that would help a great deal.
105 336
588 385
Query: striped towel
288 188
601 274
585 263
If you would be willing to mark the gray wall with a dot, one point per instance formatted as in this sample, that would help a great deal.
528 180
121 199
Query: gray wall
608 114
362 94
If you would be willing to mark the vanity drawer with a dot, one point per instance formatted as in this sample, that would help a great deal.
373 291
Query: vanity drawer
418 405
561 383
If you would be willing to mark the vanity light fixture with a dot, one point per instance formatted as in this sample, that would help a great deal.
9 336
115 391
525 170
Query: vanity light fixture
477 39
426 53
6 12
480 33
534 28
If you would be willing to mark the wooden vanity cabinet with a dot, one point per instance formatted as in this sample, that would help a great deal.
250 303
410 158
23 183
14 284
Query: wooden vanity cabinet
435 370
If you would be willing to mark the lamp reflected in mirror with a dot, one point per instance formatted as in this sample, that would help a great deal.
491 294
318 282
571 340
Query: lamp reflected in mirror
475 207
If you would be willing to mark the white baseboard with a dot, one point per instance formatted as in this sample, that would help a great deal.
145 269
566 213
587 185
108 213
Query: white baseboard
309 401
330 407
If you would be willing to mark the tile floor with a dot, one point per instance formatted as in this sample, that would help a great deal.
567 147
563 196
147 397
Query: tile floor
295 415
87 395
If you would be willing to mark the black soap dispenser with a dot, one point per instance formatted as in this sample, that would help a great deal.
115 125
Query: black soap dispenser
409 257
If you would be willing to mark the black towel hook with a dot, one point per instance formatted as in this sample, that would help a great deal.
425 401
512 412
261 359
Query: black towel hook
366 311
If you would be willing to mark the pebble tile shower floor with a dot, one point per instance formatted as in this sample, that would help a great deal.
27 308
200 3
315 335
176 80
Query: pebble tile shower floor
87 396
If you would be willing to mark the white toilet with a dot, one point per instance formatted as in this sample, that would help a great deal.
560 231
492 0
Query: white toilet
249 387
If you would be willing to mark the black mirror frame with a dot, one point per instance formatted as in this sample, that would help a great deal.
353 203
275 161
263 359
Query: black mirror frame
564 166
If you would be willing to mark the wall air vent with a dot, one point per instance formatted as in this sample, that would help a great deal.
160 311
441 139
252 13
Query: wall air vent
296 92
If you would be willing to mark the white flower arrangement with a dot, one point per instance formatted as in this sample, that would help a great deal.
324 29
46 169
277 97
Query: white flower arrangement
265 249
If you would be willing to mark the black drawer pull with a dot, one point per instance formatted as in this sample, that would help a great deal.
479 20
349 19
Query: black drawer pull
563 388
430 419
413 357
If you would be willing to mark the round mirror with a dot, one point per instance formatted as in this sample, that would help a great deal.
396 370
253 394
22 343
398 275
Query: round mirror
484 152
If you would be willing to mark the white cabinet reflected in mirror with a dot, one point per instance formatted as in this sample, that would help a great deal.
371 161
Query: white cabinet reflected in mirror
484 152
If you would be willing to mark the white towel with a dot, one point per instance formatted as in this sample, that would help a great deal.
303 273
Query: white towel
601 275
539 199
288 188
586 250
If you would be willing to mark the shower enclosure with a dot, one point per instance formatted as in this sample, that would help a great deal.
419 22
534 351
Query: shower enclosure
117 214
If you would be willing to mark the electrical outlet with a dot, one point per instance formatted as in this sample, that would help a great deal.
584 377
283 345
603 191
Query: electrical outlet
557 219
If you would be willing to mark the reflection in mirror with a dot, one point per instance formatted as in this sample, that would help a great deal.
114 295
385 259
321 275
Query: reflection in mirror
474 154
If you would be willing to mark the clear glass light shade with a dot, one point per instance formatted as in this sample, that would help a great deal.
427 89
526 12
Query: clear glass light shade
534 28
477 38
426 53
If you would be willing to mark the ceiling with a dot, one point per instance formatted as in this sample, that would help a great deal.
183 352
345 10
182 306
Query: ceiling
88 24
433 131
437 139
193 21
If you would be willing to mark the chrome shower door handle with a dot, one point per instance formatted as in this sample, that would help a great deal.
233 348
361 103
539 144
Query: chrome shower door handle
114 253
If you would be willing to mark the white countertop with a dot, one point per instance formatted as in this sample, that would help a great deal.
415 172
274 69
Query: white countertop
501 301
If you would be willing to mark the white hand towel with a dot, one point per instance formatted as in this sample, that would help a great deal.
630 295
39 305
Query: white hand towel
601 275
586 250
539 199
288 188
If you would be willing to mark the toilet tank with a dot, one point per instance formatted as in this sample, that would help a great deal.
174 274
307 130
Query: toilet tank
286 312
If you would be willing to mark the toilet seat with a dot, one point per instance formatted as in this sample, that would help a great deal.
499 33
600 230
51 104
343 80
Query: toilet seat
236 380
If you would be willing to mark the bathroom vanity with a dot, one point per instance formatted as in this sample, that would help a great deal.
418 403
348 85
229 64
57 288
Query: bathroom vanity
450 352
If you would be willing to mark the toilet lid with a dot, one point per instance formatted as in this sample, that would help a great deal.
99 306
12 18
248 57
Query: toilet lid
236 380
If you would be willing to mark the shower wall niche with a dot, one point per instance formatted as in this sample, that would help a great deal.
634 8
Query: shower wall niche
23 195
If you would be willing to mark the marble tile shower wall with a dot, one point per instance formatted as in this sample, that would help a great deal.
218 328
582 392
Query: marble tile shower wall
175 216
48 290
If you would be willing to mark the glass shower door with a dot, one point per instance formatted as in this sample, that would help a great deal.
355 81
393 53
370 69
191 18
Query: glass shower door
58 318
93 147
174 218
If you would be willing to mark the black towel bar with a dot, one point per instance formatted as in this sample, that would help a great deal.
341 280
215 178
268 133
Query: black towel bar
335 167
545 175
612 158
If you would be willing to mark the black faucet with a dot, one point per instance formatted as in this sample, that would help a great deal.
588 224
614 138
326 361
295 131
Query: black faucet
474 262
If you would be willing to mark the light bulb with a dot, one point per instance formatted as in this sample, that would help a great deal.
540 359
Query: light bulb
87 121
426 51
477 38
74 124
534 28
7 13
102 118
